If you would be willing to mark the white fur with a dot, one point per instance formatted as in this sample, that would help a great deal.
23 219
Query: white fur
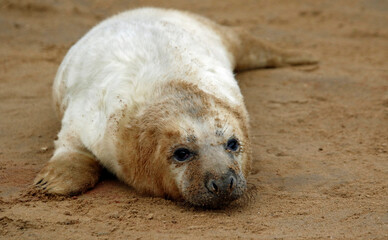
121 63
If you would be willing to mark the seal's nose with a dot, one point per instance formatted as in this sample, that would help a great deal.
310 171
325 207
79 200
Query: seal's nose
222 186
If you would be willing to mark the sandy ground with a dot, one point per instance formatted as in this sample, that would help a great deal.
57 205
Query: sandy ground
320 133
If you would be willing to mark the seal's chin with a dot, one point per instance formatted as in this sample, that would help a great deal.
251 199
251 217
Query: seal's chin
214 194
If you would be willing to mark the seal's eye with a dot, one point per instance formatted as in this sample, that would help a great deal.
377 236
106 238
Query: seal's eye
182 154
232 145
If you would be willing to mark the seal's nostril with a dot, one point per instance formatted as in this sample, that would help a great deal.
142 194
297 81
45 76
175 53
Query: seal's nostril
214 185
222 186
231 185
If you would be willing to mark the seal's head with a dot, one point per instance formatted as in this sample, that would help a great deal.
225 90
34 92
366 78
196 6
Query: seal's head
188 145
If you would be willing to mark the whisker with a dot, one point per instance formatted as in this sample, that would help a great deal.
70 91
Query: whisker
225 128
184 130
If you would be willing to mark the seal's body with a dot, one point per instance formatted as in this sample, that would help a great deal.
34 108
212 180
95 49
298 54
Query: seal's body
150 95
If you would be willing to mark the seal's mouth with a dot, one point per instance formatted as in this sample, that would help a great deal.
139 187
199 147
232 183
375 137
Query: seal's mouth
216 192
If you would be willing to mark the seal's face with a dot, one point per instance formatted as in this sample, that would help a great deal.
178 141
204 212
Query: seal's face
207 158
207 161
188 146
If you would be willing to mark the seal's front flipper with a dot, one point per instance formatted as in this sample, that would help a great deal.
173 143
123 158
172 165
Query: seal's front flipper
250 52
68 173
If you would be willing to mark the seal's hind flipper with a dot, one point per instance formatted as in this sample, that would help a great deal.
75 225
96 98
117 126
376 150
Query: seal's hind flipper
250 52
